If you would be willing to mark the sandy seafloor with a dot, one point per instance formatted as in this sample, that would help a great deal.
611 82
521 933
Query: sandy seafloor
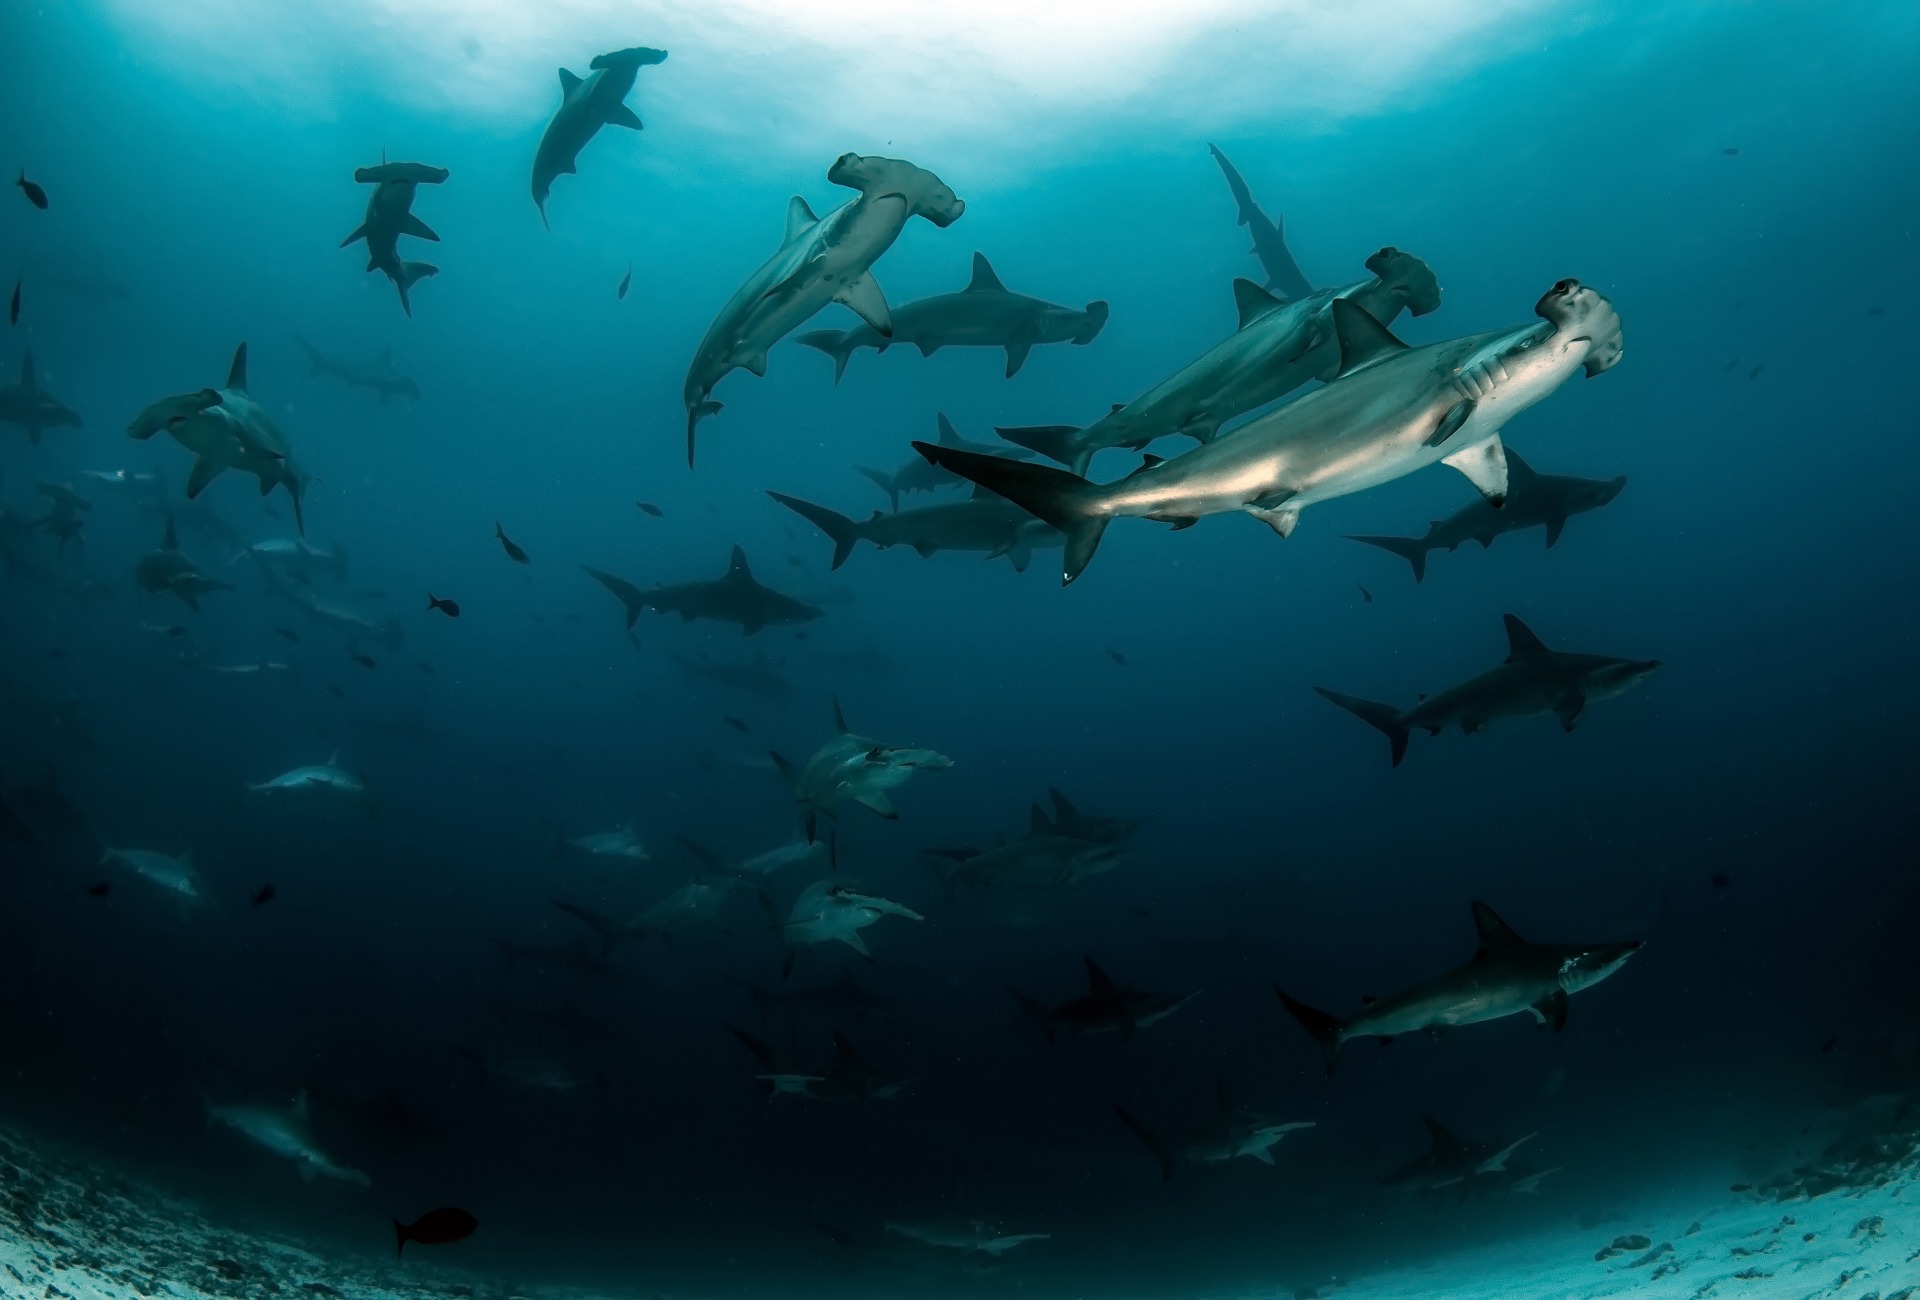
72 1230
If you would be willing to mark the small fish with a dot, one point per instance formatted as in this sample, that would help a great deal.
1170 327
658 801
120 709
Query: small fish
100 890
1740 1187
1721 880
650 508
13 309
287 634
626 282
1732 366
334 689
1833 1041
264 895
1365 595
1731 150
514 553
365 661
1116 656
1755 372
451 608
735 723
35 195
434 1228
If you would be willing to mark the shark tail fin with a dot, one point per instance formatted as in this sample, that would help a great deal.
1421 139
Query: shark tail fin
1384 718
1411 549
1155 1143
1324 1028
696 413
411 273
841 529
1067 501
1057 442
884 481
837 344
399 1239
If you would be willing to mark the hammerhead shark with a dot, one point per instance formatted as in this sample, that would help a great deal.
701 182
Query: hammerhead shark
1506 977
820 260
851 768
734 597
389 216
1532 680
586 105
1534 500
1269 243
1231 1131
1106 1007
983 315
1391 410
28 406
920 475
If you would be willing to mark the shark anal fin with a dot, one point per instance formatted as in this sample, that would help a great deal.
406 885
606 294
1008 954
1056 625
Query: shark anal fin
1555 525
877 800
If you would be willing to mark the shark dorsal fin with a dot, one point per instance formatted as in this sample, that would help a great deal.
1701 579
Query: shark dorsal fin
1496 936
948 436
1363 340
1517 470
1099 983
984 280
26 370
1147 461
237 372
800 218
568 83
1443 1140
1521 642
839 718
737 570
1037 823
1252 302
333 758
300 1110
1062 805
1223 1096
171 541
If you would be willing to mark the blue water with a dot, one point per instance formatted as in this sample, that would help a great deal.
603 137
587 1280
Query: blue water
1736 178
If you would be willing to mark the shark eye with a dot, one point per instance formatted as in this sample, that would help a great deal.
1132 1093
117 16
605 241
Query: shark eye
1566 286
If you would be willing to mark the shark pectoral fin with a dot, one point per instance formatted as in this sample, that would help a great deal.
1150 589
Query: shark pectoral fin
205 470
1451 422
1569 710
868 303
1552 1010
359 232
855 942
1017 355
755 362
1555 525
1263 1154
878 801
412 225
1485 465
621 115
1280 518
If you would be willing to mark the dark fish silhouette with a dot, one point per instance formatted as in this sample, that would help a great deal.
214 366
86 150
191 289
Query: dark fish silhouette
1730 150
451 608
1833 1041
288 634
514 553
334 689
100 890
13 309
626 281
1732 366
264 895
650 508
735 723
434 1228
1721 880
35 195
1365 595
1755 372
365 661
1117 657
